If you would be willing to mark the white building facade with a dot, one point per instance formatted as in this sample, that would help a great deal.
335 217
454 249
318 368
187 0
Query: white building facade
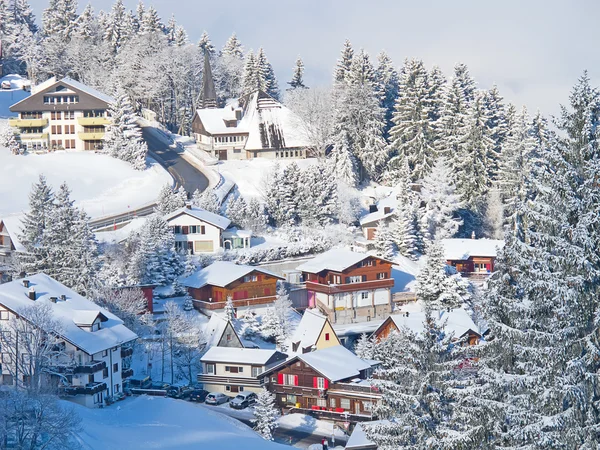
197 230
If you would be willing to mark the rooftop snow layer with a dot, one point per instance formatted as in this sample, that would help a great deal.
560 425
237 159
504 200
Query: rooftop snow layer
213 120
201 214
336 260
463 249
221 273
358 439
309 329
87 89
13 225
458 321
336 363
14 296
239 355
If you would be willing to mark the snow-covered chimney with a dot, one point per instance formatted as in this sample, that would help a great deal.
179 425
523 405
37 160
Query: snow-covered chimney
53 299
31 294
188 205
387 209
63 297
25 283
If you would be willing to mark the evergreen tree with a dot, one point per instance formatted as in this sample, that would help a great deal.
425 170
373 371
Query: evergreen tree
365 347
276 322
207 200
205 45
412 135
404 222
22 14
180 38
498 128
59 18
297 77
170 200
342 156
342 69
151 22
229 309
384 240
86 25
437 85
386 82
233 47
266 414
251 325
237 211
188 303
266 76
256 216
116 32
170 30
251 79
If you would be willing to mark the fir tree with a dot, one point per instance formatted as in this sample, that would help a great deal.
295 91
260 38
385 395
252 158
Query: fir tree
116 30
207 200
386 82
365 347
297 77
151 22
498 128
180 38
251 325
266 76
384 240
251 79
276 322
170 200
266 414
85 25
58 19
205 45
229 309
342 69
233 48
22 14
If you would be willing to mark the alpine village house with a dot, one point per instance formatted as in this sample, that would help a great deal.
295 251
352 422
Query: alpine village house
63 114
256 126
90 359
349 287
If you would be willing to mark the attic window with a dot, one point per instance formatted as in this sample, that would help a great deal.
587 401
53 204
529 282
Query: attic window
326 336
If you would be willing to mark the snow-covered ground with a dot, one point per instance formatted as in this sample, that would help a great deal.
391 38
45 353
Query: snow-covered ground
163 423
100 184
13 95
404 273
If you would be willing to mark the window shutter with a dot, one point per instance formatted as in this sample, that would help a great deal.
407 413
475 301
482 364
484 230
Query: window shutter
315 382
279 378
295 380
326 383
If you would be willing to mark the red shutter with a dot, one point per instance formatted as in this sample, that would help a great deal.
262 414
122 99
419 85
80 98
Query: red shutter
295 380
279 378
326 383
267 292
315 382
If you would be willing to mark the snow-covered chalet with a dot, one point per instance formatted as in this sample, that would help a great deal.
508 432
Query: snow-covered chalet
90 360
62 114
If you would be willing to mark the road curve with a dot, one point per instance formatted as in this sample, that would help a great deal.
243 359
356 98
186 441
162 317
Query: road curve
183 172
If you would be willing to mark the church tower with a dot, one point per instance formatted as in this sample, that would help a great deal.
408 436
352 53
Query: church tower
208 95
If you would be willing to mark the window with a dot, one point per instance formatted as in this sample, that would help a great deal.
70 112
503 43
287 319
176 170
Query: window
326 336
241 369
193 229
177 229
185 230
256 371
202 229
336 279
91 378
105 373
3 315
70 143
368 406
321 402
69 115
250 278
332 403
105 353
69 129
116 390
364 295
356 279
210 368
55 115
381 276
320 382
345 403
98 398
290 380
241 389
115 367
229 337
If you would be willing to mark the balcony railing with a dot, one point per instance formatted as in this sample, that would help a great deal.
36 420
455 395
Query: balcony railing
126 351
236 303
349 387
91 136
29 136
126 373
28 123
334 415
91 121
88 389
216 379
89 368
349 287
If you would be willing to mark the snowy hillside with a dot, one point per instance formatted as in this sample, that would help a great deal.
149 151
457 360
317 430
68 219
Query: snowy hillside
154 422
11 96
101 185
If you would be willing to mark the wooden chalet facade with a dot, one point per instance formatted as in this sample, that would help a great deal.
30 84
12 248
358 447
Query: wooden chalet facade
348 286
472 256
331 383
247 286
314 332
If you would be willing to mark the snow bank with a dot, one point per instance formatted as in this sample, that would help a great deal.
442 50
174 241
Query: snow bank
100 184
404 273
303 422
163 423
9 97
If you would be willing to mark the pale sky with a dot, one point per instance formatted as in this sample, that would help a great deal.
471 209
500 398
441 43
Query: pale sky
533 50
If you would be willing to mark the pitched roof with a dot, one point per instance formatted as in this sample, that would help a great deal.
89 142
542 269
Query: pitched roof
13 224
458 321
336 363
359 440
213 120
240 355
201 214
14 296
208 94
462 249
390 202
221 273
336 260
215 328
309 329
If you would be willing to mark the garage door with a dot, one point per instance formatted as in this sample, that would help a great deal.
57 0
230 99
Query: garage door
203 246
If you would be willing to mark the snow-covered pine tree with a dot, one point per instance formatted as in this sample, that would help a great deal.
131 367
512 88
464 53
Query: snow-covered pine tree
124 137
229 70
86 25
251 78
170 29
251 325
297 76
341 155
188 303
236 211
170 200
412 136
404 229
281 195
267 81
365 347
386 84
276 322
22 14
205 45
318 196
58 18
229 311
233 47
497 124
437 85
181 37
343 65
116 31
266 414
207 200
256 216
439 215
151 22
384 240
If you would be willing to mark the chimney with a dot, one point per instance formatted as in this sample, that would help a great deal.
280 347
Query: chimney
26 283
53 299
188 205
372 208
473 235
63 297
238 114
406 313
31 294
387 209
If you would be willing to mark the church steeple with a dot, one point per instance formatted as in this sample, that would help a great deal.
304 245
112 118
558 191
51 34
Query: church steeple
208 95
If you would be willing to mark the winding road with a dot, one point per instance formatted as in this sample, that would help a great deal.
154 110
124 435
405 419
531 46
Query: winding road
184 173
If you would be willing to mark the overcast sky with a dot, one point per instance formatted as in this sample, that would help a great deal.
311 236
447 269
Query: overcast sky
533 50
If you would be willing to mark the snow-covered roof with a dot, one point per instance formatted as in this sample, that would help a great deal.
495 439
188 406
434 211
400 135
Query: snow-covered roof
14 296
234 232
13 225
221 273
271 125
458 321
121 234
358 440
213 120
308 330
215 328
336 260
336 363
87 317
256 356
201 214
88 90
388 202
462 249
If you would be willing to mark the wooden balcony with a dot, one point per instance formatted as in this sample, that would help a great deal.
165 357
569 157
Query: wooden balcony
126 351
89 368
32 136
358 388
88 389
331 289
342 416
126 373
93 121
200 304
28 123
91 136
217 379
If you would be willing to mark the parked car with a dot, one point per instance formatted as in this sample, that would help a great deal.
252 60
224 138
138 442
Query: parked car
5 85
243 400
216 398
138 382
179 391
159 385
198 395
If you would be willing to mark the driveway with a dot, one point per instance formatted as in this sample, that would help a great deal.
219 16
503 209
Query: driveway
183 172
